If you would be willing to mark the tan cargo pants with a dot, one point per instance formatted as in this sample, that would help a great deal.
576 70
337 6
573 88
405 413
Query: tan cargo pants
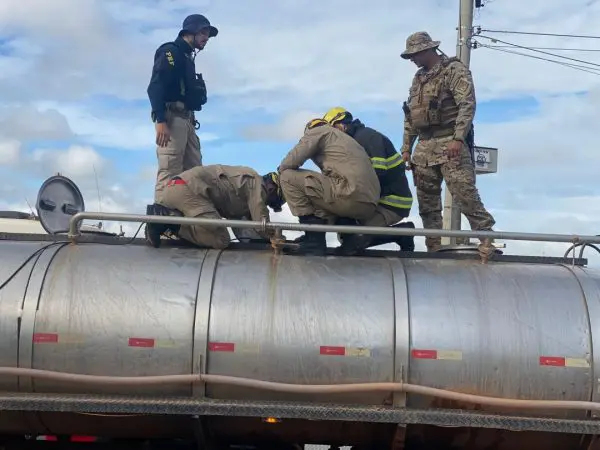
181 153
384 217
306 192
181 197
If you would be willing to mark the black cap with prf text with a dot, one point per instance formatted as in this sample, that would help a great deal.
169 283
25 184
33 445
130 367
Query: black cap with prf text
196 22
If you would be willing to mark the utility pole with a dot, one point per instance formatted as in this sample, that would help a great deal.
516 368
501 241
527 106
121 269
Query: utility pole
452 215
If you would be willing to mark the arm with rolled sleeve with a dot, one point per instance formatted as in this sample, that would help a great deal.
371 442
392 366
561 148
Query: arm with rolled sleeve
164 74
460 83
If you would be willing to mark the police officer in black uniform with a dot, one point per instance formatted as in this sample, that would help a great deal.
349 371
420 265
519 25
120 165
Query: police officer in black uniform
175 92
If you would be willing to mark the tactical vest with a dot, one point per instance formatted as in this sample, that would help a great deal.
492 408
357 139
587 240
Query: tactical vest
191 85
430 102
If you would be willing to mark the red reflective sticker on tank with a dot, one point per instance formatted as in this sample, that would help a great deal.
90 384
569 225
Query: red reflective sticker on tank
552 361
141 342
78 438
39 338
424 354
335 351
221 347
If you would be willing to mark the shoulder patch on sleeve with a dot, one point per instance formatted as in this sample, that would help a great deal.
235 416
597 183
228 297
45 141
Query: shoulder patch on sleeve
169 56
462 87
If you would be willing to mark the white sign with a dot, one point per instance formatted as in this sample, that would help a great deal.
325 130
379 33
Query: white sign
486 160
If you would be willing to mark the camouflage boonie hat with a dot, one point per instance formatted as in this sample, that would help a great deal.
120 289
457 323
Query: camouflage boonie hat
417 42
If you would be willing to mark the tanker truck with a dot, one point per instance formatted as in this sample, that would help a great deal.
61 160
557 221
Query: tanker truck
106 342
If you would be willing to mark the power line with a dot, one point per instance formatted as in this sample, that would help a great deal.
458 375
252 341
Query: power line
579 36
571 66
539 51
555 48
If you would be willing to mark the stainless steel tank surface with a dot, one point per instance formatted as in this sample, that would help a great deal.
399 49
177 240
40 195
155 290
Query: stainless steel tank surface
501 329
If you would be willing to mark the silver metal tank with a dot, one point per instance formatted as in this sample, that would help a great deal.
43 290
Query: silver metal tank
500 329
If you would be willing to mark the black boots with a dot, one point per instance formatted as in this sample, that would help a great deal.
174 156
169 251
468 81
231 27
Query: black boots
155 230
406 243
312 243
355 244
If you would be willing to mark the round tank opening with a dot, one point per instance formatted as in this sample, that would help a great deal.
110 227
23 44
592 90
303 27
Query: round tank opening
467 249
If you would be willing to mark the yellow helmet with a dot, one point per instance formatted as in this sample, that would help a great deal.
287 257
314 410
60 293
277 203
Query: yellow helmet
314 123
337 114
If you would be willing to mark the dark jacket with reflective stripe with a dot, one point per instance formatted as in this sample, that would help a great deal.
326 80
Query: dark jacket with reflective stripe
388 164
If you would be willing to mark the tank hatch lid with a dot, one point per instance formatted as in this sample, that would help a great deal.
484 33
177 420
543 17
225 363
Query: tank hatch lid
58 200
468 249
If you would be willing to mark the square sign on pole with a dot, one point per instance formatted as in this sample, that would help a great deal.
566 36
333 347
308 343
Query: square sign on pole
486 160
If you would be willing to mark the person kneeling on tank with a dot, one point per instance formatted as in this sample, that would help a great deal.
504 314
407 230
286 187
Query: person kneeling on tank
356 244
347 185
396 199
216 192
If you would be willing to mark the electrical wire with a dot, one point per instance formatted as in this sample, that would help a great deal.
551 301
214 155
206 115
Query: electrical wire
40 250
538 51
572 66
531 33
555 48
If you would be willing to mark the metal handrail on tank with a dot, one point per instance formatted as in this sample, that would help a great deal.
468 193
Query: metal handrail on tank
348 229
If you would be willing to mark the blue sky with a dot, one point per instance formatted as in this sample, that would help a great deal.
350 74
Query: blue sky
75 101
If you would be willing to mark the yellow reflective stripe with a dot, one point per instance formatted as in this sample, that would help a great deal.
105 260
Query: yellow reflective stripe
396 201
387 163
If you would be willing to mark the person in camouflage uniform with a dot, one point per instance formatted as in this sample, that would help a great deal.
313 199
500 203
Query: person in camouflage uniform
440 111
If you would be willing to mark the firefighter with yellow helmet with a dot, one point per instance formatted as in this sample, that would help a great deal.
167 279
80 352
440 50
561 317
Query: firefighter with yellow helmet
346 187
396 198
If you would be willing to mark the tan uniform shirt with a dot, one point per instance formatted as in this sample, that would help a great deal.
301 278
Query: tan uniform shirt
341 159
235 191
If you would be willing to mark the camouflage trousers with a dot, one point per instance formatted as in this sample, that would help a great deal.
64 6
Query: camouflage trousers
460 181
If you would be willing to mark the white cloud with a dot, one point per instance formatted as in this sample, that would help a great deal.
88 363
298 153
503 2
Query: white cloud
76 161
340 52
296 59
9 152
29 122
290 127
129 129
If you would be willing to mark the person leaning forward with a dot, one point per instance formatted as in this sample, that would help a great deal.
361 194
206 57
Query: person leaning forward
216 192
440 111
346 187
175 92
396 199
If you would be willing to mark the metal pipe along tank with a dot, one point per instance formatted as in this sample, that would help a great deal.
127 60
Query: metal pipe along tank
508 330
